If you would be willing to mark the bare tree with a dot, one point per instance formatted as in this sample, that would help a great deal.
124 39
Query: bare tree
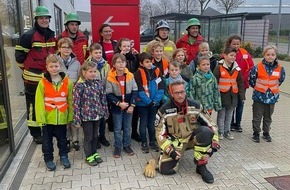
147 10
228 5
186 6
203 5
165 6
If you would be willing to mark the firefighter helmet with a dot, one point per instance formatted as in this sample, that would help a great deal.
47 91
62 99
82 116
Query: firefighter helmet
162 24
193 22
72 17
41 11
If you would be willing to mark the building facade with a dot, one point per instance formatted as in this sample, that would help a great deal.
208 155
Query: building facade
16 17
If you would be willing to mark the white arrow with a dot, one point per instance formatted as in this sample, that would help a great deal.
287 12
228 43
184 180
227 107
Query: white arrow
115 23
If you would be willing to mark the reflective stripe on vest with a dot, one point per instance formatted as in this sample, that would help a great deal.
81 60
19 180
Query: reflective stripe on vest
227 81
55 98
164 66
265 82
144 79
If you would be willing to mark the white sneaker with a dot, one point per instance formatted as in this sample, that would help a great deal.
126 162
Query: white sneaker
229 136
221 136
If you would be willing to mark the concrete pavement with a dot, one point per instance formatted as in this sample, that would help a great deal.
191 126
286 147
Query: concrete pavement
239 165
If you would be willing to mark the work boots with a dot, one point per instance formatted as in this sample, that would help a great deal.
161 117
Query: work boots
205 174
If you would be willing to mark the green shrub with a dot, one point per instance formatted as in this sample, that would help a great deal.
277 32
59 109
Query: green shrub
217 46
282 56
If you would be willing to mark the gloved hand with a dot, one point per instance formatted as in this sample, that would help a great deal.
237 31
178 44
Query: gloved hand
170 150
151 104
150 168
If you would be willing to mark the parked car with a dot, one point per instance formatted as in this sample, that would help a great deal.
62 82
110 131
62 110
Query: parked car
146 35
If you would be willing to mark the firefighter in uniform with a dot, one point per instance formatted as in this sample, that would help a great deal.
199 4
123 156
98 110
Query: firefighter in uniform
183 125
30 54
162 35
80 41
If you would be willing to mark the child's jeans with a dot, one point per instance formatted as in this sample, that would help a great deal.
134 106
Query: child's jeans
91 130
59 131
147 119
123 121
224 119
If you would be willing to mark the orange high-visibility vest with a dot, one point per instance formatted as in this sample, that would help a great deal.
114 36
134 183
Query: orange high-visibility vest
227 81
55 98
164 65
144 79
265 82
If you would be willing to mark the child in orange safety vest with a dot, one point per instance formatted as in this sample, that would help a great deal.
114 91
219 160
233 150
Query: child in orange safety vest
231 87
265 78
54 110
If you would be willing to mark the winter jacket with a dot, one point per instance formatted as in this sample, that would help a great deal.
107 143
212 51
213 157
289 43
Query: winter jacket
213 62
162 65
154 83
114 92
169 47
90 103
268 97
185 71
103 69
166 80
230 98
190 49
71 67
245 62
55 116
31 52
132 62
80 48
204 89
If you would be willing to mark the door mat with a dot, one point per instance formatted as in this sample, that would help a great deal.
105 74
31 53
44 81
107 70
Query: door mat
280 182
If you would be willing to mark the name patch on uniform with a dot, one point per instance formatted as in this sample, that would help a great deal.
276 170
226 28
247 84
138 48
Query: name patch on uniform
158 80
172 110
245 56
275 73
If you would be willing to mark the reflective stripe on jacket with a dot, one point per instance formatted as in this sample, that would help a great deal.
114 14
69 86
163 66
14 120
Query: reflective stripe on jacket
144 79
227 81
265 82
54 98
164 68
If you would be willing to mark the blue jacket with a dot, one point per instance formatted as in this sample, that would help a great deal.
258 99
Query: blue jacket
155 85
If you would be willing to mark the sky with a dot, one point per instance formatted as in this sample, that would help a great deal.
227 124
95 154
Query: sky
84 5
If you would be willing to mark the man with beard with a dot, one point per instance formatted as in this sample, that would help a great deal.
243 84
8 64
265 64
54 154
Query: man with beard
190 42
183 125
162 35
31 52
80 41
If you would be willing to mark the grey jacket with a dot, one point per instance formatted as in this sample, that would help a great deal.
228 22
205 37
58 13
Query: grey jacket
71 67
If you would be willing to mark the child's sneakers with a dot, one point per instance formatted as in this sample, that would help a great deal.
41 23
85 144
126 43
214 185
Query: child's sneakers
267 137
97 157
65 162
128 150
229 136
50 165
144 148
154 147
117 153
91 161
256 137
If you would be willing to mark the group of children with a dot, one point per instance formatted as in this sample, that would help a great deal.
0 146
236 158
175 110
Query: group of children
139 84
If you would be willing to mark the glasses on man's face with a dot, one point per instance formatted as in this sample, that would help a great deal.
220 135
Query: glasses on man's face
66 48
179 93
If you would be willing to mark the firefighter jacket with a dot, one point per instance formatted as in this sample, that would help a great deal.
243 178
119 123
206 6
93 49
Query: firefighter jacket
32 50
169 47
190 49
80 48
245 62
150 86
266 78
174 125
53 102
231 84
121 91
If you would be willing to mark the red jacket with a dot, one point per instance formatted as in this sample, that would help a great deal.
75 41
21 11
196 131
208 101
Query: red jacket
245 62
80 45
191 50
